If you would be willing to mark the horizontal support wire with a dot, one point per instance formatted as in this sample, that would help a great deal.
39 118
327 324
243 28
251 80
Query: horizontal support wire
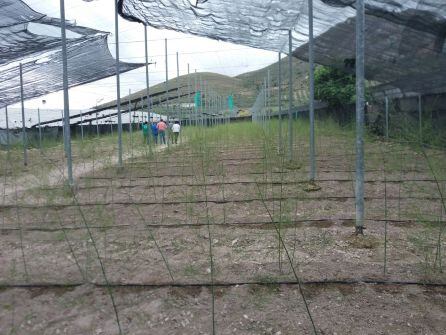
226 284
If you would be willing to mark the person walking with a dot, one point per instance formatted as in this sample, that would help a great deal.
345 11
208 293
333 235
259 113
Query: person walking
176 131
154 129
145 132
162 126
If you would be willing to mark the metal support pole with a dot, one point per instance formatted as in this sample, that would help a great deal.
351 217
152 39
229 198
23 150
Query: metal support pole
167 86
82 127
118 87
130 114
387 117
25 154
146 48
63 132
167 73
311 60
7 130
420 119
265 101
130 125
280 102
360 104
97 125
160 108
40 129
269 95
66 100
188 93
142 108
178 89
290 97
180 116
201 102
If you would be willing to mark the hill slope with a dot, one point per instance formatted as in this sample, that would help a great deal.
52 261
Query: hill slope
244 87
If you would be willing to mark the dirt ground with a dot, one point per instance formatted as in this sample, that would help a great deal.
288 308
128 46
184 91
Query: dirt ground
193 238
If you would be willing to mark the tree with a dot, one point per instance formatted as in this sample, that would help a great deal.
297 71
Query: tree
334 86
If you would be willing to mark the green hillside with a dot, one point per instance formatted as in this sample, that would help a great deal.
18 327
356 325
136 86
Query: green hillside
244 87
254 80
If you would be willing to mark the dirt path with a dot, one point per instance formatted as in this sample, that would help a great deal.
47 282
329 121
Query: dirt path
58 175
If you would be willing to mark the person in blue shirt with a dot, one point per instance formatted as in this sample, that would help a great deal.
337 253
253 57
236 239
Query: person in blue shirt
154 129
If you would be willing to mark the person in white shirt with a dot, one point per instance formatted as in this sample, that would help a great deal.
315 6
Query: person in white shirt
176 131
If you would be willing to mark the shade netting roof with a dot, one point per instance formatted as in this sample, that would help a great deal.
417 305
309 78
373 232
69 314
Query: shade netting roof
405 39
89 58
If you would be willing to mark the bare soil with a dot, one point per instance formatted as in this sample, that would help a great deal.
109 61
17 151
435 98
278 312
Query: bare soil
148 230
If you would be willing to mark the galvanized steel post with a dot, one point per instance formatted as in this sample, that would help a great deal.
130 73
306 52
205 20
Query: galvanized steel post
118 87
290 97
7 129
387 117
63 132
311 60
269 95
201 101
280 101
66 100
264 100
82 127
188 94
130 114
25 154
111 123
167 88
146 44
40 129
167 74
130 125
360 105
420 119
178 89
97 125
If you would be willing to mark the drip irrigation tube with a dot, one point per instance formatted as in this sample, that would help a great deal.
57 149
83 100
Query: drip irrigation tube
226 284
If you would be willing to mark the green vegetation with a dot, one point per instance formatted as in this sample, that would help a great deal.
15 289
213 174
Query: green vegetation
334 86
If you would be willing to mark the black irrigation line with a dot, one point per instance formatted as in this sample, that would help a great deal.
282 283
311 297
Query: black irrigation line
243 161
222 224
195 156
226 201
225 284
244 158
256 149
248 182
303 171
138 165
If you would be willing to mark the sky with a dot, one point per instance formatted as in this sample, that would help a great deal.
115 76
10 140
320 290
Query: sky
201 54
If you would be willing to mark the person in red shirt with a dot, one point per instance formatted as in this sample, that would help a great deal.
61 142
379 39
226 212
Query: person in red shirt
162 126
